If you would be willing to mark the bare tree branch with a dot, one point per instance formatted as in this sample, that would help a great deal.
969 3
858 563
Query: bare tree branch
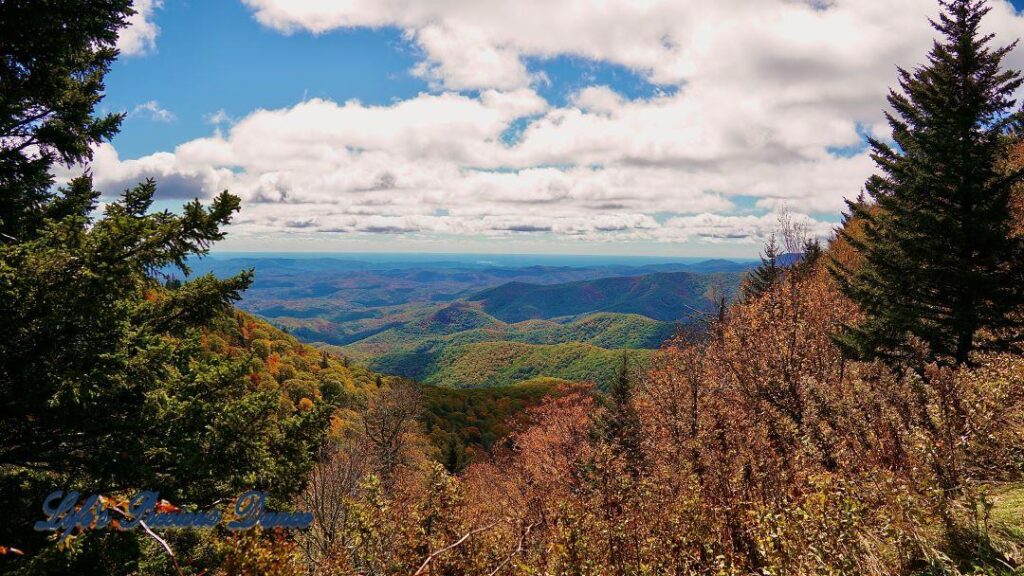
452 546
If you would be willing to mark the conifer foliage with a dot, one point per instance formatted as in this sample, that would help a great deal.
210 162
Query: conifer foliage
53 57
111 381
767 274
938 263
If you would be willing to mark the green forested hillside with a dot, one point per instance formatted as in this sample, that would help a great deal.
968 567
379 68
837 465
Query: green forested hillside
607 330
454 318
424 348
421 340
604 329
339 300
487 364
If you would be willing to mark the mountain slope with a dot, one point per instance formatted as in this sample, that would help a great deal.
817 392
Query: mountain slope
457 317
604 329
467 424
342 300
665 296
487 364
414 322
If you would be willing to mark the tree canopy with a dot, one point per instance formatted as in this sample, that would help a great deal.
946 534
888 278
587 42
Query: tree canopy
938 262
54 55
111 380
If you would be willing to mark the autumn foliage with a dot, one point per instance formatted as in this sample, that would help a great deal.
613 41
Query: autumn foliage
756 450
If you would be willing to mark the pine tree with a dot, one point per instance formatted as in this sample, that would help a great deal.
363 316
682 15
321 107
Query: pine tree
621 425
763 278
53 57
622 386
938 261
105 382
454 456
809 258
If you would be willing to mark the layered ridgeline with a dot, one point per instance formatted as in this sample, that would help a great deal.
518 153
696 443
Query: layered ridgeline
666 297
574 331
342 300
462 346
474 323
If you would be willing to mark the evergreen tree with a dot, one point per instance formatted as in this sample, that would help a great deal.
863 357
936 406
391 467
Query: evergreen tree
622 386
810 257
454 455
620 426
105 382
937 258
53 57
763 278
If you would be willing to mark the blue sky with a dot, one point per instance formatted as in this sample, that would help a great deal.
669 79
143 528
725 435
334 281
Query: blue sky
674 130
213 56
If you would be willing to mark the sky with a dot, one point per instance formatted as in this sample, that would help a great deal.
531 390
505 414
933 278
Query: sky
659 127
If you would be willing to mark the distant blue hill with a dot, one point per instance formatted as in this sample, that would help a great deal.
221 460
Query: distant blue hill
663 296
790 258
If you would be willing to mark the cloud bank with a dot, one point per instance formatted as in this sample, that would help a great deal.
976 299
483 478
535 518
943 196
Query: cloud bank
770 105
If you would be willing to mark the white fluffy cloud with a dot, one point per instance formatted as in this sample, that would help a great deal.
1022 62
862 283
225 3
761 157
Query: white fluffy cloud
177 179
139 37
153 111
437 163
793 42
718 228
765 95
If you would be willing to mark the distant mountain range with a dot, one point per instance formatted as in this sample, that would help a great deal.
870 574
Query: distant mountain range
462 346
471 325
519 330
671 296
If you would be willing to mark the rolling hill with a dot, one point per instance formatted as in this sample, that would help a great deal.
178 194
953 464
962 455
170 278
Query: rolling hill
457 317
667 296
519 330
454 322
492 364
464 323
426 347
466 424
